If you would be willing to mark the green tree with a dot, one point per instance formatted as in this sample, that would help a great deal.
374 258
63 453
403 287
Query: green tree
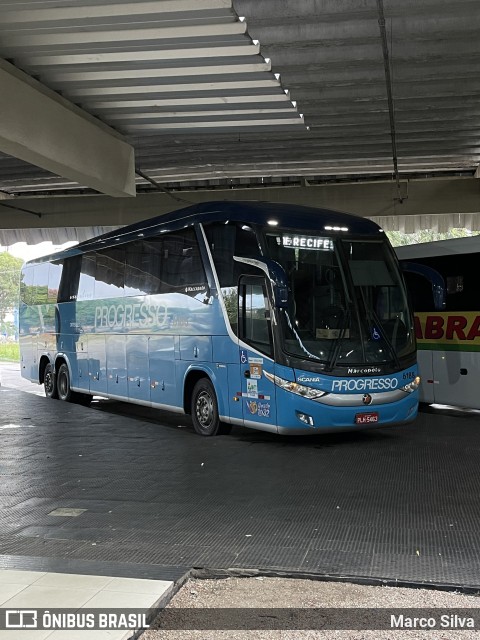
9 286
398 238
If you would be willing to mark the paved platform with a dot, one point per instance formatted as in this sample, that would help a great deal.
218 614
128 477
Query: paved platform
81 593
399 504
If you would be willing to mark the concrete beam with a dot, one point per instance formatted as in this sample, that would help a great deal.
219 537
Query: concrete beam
41 128
148 10
421 197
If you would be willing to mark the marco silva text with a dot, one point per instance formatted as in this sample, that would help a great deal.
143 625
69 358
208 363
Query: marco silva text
443 621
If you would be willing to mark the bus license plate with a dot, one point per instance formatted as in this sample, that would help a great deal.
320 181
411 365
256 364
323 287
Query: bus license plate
366 418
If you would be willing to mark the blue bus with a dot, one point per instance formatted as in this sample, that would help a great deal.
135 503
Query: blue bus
277 317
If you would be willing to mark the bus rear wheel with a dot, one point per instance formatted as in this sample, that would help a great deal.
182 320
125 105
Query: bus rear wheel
64 391
63 384
205 417
50 382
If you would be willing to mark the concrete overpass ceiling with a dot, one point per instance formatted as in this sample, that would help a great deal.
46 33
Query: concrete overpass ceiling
209 100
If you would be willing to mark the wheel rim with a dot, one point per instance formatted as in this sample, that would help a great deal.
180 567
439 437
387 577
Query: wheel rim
204 409
49 386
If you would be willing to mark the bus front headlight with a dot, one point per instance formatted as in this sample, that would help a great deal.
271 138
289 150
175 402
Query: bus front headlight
412 386
294 387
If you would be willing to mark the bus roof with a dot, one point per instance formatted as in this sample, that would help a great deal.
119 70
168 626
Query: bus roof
253 212
438 248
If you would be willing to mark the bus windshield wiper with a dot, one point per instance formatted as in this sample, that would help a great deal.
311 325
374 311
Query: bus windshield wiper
337 344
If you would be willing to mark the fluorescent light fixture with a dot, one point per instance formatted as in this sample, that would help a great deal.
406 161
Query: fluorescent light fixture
272 223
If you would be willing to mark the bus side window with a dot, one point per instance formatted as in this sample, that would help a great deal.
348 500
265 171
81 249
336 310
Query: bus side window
26 285
40 283
254 314
54 279
226 241
164 264
110 273
183 266
68 288
86 285
142 268
420 289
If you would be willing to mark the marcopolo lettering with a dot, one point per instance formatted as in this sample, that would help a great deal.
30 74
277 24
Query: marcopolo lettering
363 370
130 316
365 384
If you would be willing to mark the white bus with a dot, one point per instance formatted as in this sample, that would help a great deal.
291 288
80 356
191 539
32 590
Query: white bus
443 280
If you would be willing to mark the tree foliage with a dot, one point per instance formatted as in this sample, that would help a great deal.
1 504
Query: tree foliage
9 283
398 238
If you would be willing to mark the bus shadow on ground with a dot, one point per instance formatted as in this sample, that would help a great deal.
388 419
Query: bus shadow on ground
172 421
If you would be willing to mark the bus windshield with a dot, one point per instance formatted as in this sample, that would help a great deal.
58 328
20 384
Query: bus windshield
347 302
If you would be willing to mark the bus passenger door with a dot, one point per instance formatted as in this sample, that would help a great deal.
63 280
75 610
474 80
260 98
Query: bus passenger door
254 315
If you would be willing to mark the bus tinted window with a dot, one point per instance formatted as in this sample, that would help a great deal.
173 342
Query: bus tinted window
254 314
110 273
69 281
226 241
86 285
460 275
54 278
40 283
26 285
164 264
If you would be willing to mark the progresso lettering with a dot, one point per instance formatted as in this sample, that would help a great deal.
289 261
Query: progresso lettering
365 384
130 316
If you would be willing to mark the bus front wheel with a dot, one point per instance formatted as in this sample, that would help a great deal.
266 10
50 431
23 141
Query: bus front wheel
206 420
50 382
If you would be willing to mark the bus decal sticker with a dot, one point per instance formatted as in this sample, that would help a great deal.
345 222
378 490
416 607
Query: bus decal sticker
243 356
255 370
252 388
261 409
261 396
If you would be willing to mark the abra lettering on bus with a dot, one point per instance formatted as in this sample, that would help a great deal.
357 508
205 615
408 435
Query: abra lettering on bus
435 330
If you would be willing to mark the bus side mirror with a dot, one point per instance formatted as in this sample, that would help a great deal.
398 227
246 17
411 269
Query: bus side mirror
276 275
